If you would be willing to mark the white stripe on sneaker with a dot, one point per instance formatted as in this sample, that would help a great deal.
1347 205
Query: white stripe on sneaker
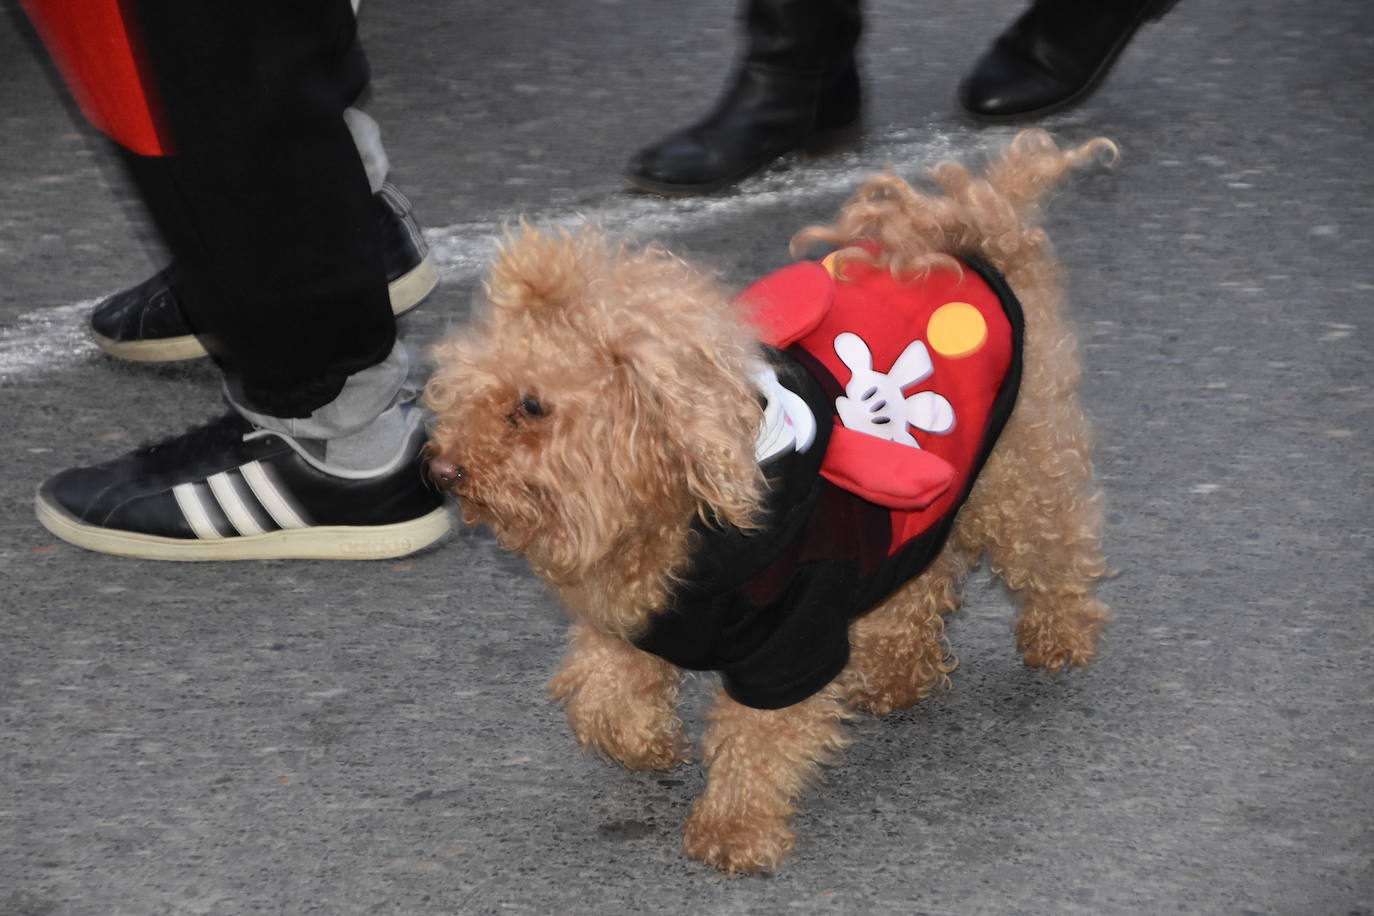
194 512
272 499
232 504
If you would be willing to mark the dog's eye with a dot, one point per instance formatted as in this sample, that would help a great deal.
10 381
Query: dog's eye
530 406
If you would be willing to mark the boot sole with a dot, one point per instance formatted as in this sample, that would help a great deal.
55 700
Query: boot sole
1152 13
405 292
373 542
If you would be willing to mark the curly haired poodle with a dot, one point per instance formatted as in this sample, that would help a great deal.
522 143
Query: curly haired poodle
786 487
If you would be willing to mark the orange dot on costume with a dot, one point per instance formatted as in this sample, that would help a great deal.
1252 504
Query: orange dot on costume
956 329
828 262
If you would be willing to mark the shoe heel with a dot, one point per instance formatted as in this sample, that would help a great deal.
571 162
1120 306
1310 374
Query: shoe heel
838 121
832 140
411 288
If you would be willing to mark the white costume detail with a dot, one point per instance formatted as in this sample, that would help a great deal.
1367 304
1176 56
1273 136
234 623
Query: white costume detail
873 402
788 424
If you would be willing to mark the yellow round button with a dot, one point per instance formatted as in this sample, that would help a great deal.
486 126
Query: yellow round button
956 329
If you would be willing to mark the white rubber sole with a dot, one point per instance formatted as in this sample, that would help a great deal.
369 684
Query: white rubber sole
406 292
160 350
377 542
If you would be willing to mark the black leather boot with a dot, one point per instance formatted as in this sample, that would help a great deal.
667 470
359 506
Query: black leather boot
1053 56
796 90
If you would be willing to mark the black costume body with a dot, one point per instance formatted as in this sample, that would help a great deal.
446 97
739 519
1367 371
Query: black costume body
771 610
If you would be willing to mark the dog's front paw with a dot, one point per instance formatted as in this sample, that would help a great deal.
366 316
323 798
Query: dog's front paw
1057 657
620 701
637 735
647 749
749 844
1063 637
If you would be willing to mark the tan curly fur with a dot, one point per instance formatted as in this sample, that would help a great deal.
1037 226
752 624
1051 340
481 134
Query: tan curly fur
641 364
602 402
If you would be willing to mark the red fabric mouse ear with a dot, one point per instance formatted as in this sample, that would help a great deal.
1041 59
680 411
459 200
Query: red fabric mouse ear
98 56
790 303
891 474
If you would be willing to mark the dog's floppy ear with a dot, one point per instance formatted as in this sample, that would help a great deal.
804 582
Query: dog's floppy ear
686 357
699 426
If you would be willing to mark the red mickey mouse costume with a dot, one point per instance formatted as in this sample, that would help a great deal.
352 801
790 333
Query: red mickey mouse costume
105 68
910 384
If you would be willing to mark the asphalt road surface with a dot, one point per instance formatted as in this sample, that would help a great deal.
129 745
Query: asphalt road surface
336 738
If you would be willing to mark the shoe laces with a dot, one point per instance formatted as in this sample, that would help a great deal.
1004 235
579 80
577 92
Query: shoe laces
195 442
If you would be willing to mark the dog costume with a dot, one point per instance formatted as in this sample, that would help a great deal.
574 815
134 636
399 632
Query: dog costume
884 399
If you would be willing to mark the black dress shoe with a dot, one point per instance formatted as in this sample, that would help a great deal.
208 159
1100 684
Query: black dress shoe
1053 56
765 114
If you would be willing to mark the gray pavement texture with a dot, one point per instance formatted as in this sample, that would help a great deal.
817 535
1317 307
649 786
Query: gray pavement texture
339 738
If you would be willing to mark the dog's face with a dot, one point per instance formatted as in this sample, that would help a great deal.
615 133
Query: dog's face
589 410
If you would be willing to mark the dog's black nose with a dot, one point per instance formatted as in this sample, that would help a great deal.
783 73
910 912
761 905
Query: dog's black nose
445 472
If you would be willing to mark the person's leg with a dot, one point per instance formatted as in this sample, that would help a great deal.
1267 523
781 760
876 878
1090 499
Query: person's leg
145 323
795 89
367 139
361 428
267 209
1053 56
264 201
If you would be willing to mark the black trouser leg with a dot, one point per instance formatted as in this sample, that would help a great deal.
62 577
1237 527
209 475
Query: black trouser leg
263 201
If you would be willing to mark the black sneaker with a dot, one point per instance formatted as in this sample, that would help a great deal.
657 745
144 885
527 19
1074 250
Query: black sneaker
145 324
231 491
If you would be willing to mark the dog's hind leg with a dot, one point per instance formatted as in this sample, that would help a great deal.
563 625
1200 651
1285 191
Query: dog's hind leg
759 761
898 652
620 700
1038 516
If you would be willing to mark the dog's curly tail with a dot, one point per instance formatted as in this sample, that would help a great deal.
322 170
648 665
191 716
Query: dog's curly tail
993 216
1031 166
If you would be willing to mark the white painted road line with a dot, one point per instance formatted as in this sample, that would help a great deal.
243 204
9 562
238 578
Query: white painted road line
45 339
52 339
462 251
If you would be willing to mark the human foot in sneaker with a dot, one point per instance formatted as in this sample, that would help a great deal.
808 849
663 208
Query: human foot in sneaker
144 323
231 491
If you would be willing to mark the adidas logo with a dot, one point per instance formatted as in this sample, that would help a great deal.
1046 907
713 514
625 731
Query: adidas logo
242 502
395 547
